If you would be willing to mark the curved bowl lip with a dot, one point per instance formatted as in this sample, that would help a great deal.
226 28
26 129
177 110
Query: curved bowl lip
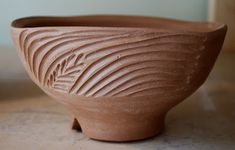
21 23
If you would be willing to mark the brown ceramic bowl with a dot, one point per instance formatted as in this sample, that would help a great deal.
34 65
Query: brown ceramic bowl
119 75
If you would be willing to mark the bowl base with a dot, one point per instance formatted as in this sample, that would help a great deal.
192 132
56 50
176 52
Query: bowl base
134 131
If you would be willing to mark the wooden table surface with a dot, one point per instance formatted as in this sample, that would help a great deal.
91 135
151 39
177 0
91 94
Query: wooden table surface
30 120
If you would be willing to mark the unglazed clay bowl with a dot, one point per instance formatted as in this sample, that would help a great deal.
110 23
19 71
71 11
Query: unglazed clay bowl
119 75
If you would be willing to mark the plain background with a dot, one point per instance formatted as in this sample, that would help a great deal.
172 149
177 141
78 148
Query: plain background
180 9
10 65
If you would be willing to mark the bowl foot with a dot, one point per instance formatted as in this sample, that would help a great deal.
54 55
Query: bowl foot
120 132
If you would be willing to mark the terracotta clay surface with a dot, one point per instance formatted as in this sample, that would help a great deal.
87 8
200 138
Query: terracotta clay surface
30 120
119 75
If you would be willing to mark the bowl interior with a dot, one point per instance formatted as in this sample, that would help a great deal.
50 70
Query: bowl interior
115 21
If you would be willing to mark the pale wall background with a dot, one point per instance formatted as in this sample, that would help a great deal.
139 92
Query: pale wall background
224 11
180 9
11 9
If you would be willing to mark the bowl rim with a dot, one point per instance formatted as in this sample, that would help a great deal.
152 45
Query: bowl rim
175 25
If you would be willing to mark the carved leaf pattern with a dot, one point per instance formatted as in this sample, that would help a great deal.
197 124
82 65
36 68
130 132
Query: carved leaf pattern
65 73
112 62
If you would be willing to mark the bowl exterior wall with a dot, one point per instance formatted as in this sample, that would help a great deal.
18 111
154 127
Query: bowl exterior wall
118 81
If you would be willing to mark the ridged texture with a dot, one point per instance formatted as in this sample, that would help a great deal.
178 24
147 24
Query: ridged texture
111 62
